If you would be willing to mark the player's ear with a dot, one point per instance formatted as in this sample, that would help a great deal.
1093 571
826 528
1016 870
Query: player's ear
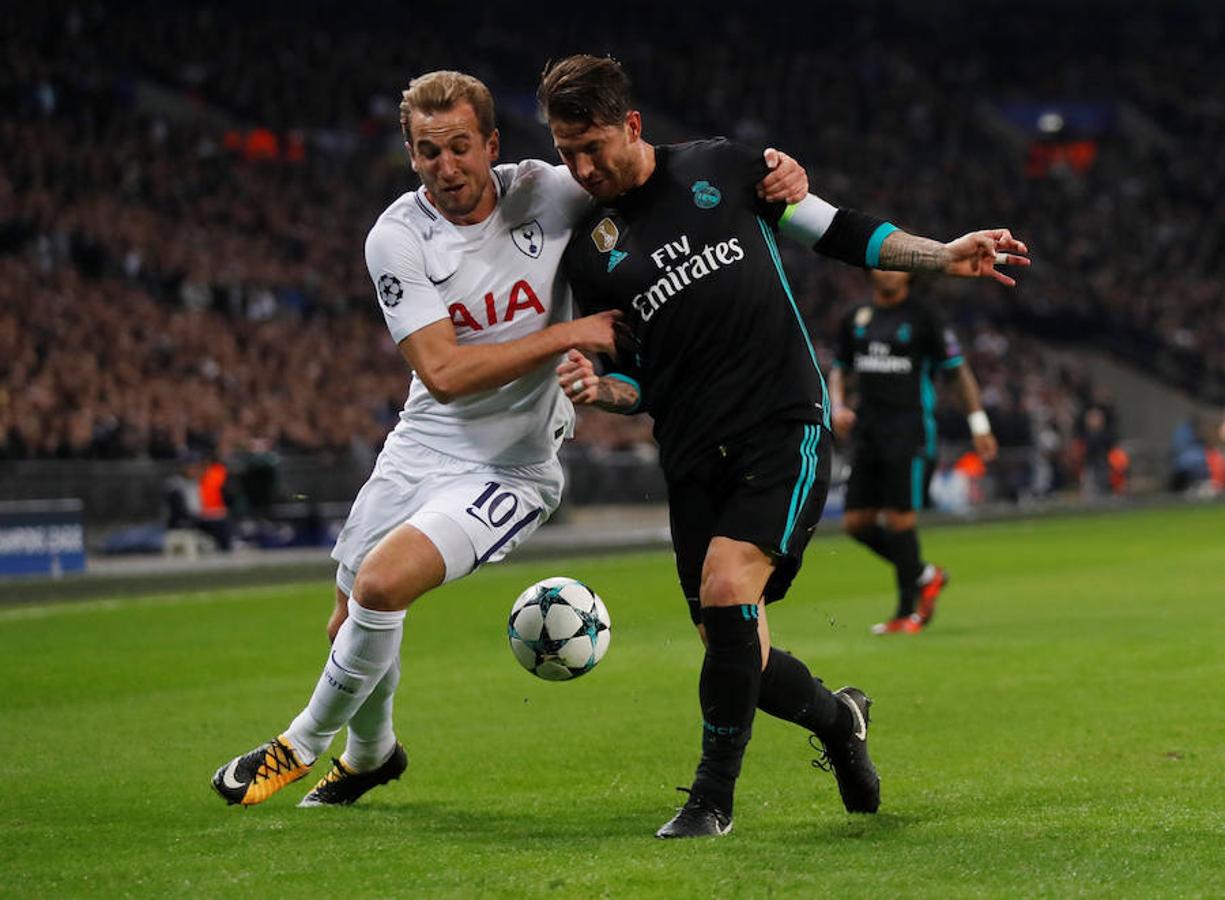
412 157
494 144
633 125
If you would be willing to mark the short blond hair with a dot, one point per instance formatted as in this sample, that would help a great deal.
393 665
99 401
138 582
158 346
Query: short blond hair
443 90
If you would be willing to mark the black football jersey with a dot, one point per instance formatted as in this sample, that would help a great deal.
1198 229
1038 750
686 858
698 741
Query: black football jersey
894 352
690 258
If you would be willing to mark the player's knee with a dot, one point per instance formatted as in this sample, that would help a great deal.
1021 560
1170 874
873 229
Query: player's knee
377 587
856 522
725 587
899 520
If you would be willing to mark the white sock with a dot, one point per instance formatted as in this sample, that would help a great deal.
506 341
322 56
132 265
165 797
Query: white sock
365 647
928 573
371 738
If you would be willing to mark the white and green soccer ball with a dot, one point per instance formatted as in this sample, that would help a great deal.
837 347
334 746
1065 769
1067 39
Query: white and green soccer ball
559 629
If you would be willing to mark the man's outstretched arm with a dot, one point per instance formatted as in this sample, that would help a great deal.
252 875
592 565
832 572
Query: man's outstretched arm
871 243
973 255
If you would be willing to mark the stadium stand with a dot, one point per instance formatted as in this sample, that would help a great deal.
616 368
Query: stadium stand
184 193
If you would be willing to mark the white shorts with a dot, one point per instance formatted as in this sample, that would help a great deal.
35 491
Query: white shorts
472 512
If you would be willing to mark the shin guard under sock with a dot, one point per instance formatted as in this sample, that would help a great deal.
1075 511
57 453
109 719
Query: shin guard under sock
909 566
362 653
728 690
371 736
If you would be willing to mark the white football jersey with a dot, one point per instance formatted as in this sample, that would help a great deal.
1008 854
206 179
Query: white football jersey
496 281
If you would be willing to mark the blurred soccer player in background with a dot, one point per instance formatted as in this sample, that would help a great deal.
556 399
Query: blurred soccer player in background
684 248
891 347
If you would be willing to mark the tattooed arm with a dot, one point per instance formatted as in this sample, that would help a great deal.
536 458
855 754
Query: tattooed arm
614 393
617 395
864 240
974 255
909 253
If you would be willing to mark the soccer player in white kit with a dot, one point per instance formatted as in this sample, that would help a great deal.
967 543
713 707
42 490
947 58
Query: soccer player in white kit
465 270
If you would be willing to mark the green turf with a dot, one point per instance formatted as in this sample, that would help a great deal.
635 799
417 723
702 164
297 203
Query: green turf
1060 730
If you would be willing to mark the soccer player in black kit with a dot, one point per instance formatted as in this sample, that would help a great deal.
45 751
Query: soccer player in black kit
719 355
892 347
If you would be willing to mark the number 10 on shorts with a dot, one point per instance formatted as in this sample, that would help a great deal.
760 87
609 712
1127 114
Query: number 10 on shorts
498 508
494 507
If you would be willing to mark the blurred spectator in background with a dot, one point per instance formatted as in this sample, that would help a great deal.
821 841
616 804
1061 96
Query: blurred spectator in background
182 494
1096 440
1103 464
1197 455
198 496
258 468
215 493
1216 459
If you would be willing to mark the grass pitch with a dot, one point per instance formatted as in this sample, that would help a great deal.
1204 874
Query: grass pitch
1060 730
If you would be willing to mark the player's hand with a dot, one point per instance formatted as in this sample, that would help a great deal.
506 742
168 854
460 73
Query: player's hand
577 378
597 333
844 421
986 446
786 182
976 255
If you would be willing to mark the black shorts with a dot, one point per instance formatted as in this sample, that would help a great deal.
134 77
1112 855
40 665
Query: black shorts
767 488
901 483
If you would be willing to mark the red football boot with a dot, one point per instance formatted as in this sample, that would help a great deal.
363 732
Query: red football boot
911 624
929 593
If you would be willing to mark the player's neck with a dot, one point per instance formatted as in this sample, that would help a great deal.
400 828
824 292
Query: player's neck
646 165
479 213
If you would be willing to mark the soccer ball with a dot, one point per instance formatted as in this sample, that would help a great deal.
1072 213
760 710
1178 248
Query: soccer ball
559 629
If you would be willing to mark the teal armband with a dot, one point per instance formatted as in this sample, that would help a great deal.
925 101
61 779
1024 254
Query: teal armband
634 383
872 256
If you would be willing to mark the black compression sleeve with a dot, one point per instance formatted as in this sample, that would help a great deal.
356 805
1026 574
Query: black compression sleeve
854 238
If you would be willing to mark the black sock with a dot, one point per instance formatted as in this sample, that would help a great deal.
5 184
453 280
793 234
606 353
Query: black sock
791 693
729 688
876 539
909 566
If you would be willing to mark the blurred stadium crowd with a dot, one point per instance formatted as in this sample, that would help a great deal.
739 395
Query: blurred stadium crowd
185 191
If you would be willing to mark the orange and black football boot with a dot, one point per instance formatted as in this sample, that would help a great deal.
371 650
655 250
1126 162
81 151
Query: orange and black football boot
254 777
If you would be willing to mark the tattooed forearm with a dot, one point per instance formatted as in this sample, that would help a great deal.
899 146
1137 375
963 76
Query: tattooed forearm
615 395
907 253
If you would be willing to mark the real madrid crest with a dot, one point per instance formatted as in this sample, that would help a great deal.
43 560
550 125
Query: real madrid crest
863 316
529 238
705 195
605 235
